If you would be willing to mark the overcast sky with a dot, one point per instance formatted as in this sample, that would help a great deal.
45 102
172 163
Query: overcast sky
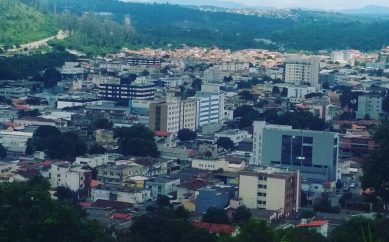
322 4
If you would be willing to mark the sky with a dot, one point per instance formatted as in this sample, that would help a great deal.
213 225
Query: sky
318 4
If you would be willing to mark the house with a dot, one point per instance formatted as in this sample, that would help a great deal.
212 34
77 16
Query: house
75 177
162 186
121 194
216 196
189 190
320 226
92 161
216 228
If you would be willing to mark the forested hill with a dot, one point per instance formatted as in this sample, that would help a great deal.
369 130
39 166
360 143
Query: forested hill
20 23
158 25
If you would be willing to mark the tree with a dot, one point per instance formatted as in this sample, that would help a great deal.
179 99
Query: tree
3 152
137 141
163 201
376 166
97 149
275 90
256 230
51 77
29 206
64 194
227 78
196 84
298 235
246 95
225 143
186 135
241 215
102 123
216 216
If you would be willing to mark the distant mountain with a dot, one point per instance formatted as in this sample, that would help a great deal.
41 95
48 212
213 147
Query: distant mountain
214 3
368 10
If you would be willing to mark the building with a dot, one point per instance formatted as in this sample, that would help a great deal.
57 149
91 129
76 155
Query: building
173 115
71 176
217 164
16 92
210 106
319 226
77 102
124 92
302 70
383 56
369 106
162 186
272 189
314 153
15 141
111 174
235 135
216 197
121 194
92 161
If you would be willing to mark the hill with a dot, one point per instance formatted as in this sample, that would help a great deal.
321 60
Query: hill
20 23
163 25
368 10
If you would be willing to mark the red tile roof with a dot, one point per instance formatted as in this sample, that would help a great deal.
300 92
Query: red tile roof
122 216
313 223
215 228
85 204
162 133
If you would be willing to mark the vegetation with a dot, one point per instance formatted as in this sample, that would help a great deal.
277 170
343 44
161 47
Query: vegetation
55 144
20 23
376 166
216 216
137 141
178 25
225 143
3 152
29 206
186 135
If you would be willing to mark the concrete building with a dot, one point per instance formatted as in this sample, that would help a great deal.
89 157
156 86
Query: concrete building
217 164
118 92
314 153
302 70
120 194
72 176
369 106
15 141
77 102
92 161
118 174
216 197
272 189
210 105
235 135
173 115
162 186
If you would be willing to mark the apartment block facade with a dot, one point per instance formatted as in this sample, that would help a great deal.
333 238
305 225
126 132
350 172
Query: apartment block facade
271 189
314 153
302 70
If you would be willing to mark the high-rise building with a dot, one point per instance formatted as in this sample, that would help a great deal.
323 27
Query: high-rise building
314 153
173 115
302 70
210 105
271 188
369 106
118 92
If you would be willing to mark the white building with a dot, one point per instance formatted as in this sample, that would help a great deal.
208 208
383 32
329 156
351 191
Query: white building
214 165
271 189
235 135
302 70
77 102
92 160
15 141
133 196
72 176
210 105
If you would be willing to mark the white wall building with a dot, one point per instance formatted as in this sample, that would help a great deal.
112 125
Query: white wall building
235 135
302 70
92 160
15 141
71 176
120 194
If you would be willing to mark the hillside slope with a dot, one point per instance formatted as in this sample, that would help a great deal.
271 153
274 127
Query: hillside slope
20 23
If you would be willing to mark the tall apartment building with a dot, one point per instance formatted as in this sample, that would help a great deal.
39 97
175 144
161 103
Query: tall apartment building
173 115
74 177
302 70
118 92
314 153
369 106
210 105
271 189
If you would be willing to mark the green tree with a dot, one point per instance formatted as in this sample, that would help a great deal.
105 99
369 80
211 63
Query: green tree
225 143
299 235
216 216
246 95
97 149
256 230
376 166
3 152
186 135
102 123
241 215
